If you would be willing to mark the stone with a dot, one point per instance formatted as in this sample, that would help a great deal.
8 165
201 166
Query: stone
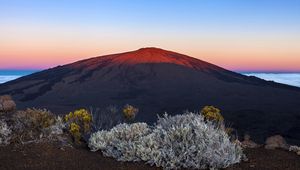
248 143
295 149
276 142
252 166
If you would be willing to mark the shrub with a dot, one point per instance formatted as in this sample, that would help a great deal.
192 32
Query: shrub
120 141
7 104
35 118
181 141
229 130
212 113
32 125
5 133
57 128
130 112
78 123
106 118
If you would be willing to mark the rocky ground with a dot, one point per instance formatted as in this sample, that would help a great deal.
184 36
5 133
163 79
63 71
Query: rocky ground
50 156
35 146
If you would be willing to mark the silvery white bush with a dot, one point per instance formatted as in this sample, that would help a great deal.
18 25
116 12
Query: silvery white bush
181 141
57 128
5 133
21 127
120 141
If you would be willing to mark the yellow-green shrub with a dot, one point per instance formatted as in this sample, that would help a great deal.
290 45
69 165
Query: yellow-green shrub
130 112
36 118
229 130
78 123
75 131
33 124
212 113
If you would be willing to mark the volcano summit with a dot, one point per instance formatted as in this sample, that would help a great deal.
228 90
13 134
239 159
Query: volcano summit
158 81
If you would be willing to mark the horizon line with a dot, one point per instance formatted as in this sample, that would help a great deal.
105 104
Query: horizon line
234 70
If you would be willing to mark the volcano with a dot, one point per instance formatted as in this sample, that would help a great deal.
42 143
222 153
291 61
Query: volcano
158 81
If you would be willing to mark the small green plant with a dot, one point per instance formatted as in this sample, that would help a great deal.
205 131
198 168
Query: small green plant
212 113
78 123
130 112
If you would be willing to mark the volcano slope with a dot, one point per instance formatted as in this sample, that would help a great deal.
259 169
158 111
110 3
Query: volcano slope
158 81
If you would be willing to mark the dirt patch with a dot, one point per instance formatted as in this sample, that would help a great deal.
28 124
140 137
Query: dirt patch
264 159
50 156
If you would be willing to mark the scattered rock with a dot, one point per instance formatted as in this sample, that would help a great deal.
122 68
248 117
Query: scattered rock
295 149
248 143
244 158
7 104
275 142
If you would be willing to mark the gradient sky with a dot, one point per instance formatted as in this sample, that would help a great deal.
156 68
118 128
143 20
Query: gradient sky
251 35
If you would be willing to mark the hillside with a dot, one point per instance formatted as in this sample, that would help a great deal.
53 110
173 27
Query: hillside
155 81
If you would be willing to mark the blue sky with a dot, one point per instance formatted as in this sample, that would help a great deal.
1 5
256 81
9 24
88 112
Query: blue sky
198 14
212 30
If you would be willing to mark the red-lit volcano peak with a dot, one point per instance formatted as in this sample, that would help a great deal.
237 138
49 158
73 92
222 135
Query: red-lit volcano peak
148 55
158 81
155 55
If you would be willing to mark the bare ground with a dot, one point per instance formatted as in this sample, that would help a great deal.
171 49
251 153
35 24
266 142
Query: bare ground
49 156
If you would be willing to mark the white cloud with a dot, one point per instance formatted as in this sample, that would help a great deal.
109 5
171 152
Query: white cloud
285 78
5 78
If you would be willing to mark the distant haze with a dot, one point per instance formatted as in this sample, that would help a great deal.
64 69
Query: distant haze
285 78
8 75
4 79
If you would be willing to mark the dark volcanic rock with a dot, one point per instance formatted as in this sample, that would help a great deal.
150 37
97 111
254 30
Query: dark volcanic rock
156 81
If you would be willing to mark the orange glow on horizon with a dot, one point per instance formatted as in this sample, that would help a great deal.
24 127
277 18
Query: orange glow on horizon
33 48
237 35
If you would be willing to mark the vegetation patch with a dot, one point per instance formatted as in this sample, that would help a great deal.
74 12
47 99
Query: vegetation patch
78 124
30 125
181 141
130 112
5 133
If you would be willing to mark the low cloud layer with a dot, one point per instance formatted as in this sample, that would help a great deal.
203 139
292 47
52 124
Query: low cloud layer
285 78
4 79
